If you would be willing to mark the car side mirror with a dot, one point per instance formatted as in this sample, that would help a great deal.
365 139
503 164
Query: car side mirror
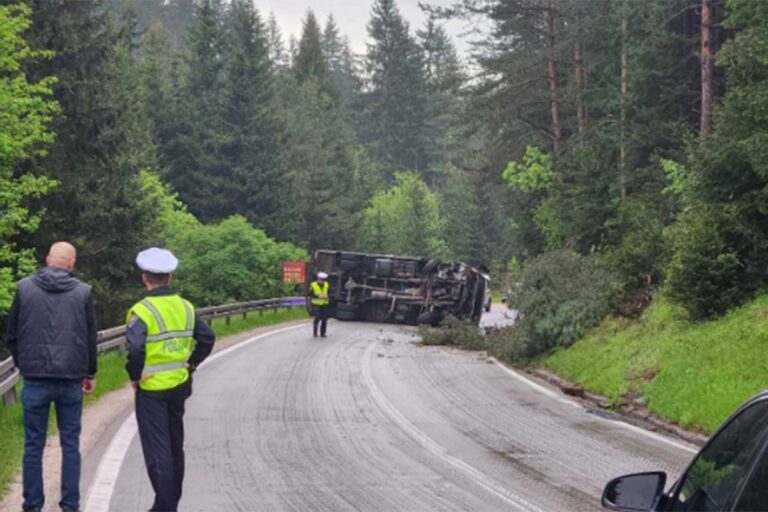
635 493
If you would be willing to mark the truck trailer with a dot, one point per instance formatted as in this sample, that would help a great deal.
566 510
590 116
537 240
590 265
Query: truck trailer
400 289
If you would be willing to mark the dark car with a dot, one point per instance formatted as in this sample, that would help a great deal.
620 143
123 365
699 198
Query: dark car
729 473
400 289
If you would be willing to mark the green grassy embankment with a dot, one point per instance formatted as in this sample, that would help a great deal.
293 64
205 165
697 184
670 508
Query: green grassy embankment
693 374
112 376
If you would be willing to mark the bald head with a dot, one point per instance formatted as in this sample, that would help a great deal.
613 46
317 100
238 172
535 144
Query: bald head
62 255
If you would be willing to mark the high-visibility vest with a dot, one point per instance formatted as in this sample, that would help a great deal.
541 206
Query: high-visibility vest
170 322
320 289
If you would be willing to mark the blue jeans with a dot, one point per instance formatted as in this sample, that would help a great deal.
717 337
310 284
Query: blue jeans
37 396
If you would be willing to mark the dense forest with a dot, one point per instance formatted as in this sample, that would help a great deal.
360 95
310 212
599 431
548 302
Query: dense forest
591 153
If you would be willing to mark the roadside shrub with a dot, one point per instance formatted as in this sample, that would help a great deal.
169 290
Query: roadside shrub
640 257
561 296
231 261
717 265
458 333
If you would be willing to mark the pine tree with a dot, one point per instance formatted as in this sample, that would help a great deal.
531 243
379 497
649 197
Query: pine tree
192 157
395 127
100 146
321 155
156 72
277 51
445 104
442 65
253 131
463 216
310 61
343 67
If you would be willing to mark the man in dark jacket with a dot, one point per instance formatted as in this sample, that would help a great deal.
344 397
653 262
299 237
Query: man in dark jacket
52 336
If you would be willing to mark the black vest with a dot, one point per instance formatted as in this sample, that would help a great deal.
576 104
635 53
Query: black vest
52 336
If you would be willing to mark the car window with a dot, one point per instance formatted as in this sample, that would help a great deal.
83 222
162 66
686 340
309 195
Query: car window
755 495
713 479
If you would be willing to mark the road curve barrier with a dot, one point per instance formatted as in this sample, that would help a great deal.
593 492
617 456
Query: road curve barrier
114 338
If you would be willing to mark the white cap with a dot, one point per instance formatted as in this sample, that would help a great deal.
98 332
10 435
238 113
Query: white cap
322 275
157 261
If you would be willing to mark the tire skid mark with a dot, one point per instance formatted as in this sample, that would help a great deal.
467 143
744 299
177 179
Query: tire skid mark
435 449
526 458
554 451
493 408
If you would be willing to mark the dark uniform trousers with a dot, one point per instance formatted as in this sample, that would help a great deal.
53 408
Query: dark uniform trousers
321 318
160 416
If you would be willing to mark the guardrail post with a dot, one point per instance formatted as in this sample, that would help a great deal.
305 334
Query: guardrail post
227 320
9 397
245 315
261 311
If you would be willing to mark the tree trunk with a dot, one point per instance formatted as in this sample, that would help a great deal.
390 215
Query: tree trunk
706 65
557 131
581 106
623 116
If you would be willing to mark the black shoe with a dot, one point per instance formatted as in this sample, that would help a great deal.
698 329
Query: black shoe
36 509
314 335
69 509
323 336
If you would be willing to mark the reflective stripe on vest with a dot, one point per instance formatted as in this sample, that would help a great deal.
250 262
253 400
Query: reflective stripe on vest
170 324
317 290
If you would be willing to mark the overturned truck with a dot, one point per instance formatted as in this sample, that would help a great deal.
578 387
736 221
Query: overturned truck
397 289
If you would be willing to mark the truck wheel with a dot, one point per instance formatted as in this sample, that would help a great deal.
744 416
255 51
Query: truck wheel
428 318
430 266
350 262
346 311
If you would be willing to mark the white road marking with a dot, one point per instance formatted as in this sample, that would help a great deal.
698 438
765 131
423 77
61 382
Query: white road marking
103 486
477 476
657 437
629 426
533 384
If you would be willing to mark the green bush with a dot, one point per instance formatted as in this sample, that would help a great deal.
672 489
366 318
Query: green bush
561 296
231 261
716 265
639 258
458 333
405 219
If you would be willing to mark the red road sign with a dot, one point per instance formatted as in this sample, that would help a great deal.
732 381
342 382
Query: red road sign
294 272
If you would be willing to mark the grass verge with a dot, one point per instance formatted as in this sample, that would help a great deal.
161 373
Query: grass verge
693 374
112 376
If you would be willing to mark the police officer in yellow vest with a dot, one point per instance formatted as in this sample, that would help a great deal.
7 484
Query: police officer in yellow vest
318 296
166 342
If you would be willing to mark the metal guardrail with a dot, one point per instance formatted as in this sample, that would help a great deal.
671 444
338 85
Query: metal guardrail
114 338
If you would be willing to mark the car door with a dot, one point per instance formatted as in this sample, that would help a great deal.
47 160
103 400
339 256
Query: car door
754 496
715 479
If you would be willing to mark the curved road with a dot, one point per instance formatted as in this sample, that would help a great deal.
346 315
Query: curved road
368 420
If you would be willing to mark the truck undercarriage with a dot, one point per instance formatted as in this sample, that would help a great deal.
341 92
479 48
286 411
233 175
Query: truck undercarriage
397 289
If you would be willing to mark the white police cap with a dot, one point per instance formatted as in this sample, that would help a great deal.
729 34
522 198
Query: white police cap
322 275
157 261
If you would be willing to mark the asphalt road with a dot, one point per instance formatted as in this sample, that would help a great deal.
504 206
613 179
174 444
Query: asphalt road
368 420
498 316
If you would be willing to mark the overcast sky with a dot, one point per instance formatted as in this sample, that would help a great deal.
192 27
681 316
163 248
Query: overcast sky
351 15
